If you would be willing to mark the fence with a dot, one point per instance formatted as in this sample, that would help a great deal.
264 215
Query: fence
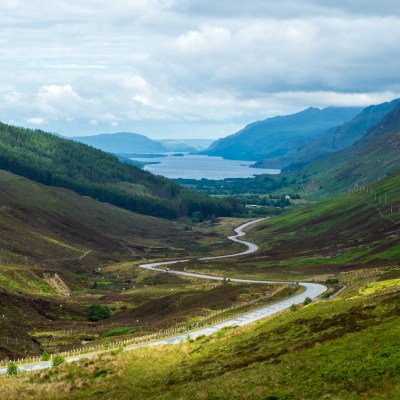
213 318
377 200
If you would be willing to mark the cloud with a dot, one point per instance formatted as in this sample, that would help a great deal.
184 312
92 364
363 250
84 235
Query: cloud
36 121
174 63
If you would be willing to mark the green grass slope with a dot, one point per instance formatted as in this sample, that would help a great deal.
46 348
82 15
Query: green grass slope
344 232
56 161
343 349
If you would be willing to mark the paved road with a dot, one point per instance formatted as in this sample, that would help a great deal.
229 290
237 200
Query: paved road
312 291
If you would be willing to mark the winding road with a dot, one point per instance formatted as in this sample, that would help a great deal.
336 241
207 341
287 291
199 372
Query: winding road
312 291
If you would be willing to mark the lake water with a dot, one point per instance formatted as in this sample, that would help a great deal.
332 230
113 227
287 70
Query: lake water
198 167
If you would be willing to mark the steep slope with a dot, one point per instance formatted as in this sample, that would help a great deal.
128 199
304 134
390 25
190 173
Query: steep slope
373 157
56 161
278 136
122 142
53 226
333 140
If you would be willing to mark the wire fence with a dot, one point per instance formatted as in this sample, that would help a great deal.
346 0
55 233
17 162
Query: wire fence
211 319
381 202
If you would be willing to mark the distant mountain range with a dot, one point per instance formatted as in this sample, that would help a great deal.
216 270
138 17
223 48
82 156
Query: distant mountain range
129 142
186 145
373 157
333 139
280 136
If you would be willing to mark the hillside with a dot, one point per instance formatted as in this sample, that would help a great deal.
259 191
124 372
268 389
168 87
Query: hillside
333 140
371 158
346 232
56 161
122 142
279 136
61 252
301 355
54 226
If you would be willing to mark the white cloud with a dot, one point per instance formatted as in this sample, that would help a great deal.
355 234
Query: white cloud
172 63
36 121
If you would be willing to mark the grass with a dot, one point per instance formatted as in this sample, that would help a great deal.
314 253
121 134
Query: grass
379 286
155 301
341 349
24 279
343 233
121 331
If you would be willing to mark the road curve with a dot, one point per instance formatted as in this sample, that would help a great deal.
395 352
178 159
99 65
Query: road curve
312 291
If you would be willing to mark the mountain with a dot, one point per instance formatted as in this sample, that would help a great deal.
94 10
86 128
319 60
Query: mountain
371 158
122 142
56 161
279 136
186 145
333 139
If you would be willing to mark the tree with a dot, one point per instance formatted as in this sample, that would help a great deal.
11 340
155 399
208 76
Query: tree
12 368
98 312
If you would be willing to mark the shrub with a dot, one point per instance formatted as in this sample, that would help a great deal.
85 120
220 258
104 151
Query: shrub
98 312
58 359
307 300
12 369
293 307
197 216
46 356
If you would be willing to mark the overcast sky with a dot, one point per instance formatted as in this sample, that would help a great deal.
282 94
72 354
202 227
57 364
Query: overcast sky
190 68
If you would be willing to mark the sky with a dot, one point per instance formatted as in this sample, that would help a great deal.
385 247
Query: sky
190 68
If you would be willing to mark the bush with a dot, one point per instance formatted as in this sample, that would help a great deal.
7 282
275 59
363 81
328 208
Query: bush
197 216
46 356
307 300
293 307
12 369
98 312
58 359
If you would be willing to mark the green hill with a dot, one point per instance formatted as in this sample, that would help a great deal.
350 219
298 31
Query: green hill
56 161
54 226
334 139
371 158
339 234
280 136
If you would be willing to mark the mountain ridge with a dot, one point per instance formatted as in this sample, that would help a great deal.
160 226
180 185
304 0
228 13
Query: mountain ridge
369 159
333 139
279 135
